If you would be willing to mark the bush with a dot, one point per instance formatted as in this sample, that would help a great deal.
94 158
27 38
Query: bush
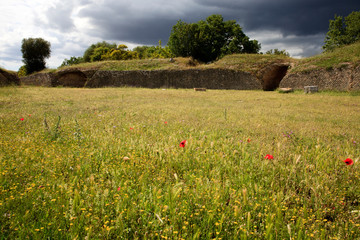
22 71
72 61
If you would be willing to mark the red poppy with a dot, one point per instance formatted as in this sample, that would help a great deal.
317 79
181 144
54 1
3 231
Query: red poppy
118 188
348 161
131 128
21 119
165 122
268 156
182 144
249 140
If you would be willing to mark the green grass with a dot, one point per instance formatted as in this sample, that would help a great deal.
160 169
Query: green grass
103 164
241 62
250 62
339 58
137 64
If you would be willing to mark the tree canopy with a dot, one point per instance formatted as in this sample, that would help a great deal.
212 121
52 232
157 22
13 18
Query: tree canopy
343 31
208 40
278 52
89 54
108 51
35 51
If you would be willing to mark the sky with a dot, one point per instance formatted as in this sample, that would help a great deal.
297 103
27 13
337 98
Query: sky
71 26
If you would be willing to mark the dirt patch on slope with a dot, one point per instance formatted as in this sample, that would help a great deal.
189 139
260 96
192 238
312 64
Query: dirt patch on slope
8 78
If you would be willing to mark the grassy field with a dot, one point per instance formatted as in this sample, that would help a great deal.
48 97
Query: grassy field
108 163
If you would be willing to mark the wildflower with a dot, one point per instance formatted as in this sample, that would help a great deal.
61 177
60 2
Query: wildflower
348 161
165 122
21 119
131 128
182 144
118 188
268 156
249 140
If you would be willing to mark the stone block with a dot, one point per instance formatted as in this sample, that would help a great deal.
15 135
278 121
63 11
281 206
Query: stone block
311 89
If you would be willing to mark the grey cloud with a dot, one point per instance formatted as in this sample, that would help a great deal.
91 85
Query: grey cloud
146 22
59 17
300 17
140 22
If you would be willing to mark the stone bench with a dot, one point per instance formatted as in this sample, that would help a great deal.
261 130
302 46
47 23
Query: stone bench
311 89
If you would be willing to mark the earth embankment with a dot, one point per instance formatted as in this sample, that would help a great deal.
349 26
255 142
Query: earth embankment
8 78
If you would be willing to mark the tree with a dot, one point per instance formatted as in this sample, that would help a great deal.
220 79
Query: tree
153 51
90 50
35 51
72 61
278 52
342 31
209 40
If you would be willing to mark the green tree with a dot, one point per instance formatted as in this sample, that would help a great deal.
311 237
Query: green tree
35 51
22 72
153 51
90 50
99 53
209 40
278 52
119 53
72 61
342 31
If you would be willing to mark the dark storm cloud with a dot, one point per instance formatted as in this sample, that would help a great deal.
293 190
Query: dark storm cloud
141 21
299 17
147 22
298 26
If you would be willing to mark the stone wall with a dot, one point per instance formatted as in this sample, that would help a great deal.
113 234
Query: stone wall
40 79
8 78
192 78
343 79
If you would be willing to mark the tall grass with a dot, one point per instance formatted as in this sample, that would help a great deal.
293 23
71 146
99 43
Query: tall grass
107 164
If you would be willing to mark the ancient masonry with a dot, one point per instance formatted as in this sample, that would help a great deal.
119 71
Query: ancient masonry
266 79
269 78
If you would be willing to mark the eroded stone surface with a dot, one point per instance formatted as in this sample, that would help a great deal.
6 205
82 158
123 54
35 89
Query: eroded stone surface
342 79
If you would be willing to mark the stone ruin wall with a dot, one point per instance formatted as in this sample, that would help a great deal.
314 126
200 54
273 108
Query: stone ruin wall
192 78
341 79
269 78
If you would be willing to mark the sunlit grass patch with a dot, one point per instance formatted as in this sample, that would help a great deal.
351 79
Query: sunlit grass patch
178 164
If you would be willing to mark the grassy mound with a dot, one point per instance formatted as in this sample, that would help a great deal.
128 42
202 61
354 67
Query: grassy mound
137 64
250 62
241 62
342 57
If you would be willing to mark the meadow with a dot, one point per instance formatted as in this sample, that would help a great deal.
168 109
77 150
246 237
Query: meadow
133 163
